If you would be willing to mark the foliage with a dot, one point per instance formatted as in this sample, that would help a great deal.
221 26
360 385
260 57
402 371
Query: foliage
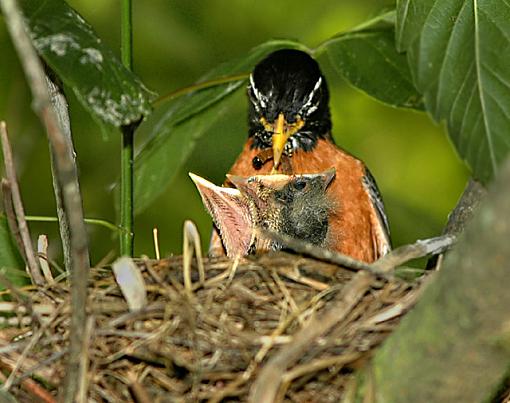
369 51
439 60
185 120
68 44
459 54
11 263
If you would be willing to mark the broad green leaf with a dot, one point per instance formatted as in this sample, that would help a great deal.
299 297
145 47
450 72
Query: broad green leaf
368 59
459 53
11 263
69 45
185 120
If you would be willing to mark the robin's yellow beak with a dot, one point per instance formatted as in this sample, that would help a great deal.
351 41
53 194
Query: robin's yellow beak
281 130
280 137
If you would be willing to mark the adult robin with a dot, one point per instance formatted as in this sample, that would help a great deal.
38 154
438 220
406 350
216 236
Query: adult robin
297 206
290 132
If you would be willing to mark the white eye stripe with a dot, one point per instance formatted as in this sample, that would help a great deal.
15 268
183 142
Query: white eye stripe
261 98
308 107
311 110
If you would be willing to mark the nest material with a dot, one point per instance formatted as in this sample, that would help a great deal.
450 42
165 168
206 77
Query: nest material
211 344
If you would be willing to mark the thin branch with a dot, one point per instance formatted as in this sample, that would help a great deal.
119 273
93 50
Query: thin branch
379 268
420 248
200 86
471 198
306 248
468 203
11 216
94 221
61 109
35 271
72 199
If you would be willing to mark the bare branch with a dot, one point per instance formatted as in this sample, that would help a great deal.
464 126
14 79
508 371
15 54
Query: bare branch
420 248
466 206
61 108
379 268
451 346
10 171
11 216
65 172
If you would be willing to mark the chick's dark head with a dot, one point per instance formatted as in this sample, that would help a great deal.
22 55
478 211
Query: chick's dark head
297 205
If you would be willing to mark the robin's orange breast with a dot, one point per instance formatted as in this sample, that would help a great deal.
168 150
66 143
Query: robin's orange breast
354 226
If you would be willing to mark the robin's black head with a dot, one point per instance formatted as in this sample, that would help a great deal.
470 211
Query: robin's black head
288 98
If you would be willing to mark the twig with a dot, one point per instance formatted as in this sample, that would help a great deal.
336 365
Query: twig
84 381
33 371
323 254
199 86
93 221
266 386
32 387
11 216
318 364
10 171
466 206
35 338
71 195
22 299
191 242
61 108
420 248
471 198
42 252
139 392
156 242
379 268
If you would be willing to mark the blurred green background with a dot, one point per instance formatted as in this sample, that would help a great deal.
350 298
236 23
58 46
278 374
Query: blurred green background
176 42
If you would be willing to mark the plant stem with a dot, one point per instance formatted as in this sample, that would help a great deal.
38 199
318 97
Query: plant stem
199 86
126 189
127 153
92 221
126 45
36 79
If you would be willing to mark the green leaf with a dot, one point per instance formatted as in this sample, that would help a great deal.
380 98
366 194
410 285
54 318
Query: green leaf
368 59
185 120
459 54
11 263
69 45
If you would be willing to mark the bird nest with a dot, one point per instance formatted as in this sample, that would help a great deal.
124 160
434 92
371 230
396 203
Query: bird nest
277 323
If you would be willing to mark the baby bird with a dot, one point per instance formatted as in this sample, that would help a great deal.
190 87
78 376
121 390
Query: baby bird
292 205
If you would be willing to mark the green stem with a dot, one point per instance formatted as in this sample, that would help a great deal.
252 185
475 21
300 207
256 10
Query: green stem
126 32
200 86
92 221
126 189
126 182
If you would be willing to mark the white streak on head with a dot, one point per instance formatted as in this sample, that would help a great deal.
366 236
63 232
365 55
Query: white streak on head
308 108
260 98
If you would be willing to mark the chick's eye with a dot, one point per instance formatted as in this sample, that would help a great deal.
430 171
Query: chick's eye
299 185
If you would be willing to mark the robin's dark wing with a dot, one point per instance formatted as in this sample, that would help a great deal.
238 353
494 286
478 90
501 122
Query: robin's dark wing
376 199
